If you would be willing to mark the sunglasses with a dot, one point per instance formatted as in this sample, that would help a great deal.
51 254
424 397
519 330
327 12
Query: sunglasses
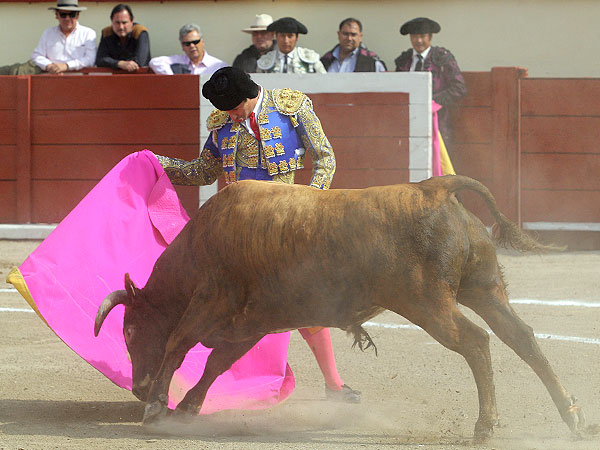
64 15
188 43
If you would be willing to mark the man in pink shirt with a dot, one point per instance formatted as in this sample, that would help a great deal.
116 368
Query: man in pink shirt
195 60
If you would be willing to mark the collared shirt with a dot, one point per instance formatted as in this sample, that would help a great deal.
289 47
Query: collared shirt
349 62
290 58
416 58
77 50
208 65
256 110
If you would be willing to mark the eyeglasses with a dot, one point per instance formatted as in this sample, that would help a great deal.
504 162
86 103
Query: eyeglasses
64 15
188 43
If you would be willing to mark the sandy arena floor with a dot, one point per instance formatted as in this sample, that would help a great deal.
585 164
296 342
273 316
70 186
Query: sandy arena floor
416 394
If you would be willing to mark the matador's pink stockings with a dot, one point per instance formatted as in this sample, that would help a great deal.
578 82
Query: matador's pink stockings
319 341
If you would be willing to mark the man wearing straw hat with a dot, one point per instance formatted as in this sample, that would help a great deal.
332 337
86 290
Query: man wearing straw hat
65 47
262 42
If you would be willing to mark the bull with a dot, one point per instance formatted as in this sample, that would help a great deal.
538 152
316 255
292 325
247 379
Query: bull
263 257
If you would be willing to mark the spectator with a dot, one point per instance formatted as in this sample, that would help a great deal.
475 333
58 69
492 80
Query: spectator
447 80
288 57
125 44
68 46
195 59
262 42
350 55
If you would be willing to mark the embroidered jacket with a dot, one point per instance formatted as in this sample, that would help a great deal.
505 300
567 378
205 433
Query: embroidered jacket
447 80
304 60
288 127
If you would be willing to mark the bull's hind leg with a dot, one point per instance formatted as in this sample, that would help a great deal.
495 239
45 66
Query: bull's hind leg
447 325
493 307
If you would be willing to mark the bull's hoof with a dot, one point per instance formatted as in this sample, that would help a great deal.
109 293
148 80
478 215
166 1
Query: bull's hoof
575 419
186 413
155 411
483 433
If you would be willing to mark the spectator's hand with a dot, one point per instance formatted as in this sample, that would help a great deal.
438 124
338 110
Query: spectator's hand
57 68
129 66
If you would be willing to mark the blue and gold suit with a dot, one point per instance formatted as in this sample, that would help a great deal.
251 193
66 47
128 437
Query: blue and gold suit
288 128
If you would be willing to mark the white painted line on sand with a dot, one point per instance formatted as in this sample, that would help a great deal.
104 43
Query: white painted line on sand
554 337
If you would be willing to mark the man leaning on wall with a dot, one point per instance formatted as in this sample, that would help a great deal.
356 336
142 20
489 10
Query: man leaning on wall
125 44
194 60
66 47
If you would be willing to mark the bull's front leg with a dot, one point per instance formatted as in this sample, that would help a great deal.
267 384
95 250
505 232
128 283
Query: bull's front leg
220 359
158 397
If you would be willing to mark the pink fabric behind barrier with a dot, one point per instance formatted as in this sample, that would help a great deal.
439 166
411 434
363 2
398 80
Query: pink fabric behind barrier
123 225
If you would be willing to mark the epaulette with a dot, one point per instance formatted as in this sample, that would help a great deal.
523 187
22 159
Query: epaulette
137 30
287 101
307 55
266 61
403 57
440 56
216 120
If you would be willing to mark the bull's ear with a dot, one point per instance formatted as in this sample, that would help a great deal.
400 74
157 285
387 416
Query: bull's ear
132 290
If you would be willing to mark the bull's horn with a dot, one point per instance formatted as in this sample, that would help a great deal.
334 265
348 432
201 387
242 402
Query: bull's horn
112 300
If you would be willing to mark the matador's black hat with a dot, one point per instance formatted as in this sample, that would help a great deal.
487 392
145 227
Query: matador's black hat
420 25
228 87
287 25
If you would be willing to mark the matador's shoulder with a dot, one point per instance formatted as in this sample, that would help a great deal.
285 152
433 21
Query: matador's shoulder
288 101
216 120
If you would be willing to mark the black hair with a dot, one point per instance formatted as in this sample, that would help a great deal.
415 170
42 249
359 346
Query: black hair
121 7
350 20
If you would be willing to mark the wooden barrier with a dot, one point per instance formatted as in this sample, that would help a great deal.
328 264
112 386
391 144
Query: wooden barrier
531 141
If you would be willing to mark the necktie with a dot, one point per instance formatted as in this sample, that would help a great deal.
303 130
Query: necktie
285 64
419 65
254 126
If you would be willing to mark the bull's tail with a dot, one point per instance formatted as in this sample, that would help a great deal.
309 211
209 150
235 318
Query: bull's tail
362 338
504 232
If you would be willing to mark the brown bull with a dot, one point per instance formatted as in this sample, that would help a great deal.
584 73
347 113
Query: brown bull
263 257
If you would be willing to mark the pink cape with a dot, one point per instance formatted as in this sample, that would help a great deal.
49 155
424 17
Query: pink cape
123 225
436 161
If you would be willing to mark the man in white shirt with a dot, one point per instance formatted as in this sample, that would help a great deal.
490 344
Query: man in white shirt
195 60
65 47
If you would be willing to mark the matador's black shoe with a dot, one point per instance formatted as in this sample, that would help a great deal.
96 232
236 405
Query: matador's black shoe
346 395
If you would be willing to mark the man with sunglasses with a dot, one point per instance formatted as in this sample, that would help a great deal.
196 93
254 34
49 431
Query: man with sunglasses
195 60
65 47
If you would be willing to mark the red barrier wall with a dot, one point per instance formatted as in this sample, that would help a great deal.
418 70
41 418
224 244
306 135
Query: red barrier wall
531 141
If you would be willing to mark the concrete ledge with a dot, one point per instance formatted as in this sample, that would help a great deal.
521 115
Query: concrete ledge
26 231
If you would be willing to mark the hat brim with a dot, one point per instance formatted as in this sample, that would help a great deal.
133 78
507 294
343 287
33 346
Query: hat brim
68 8
251 29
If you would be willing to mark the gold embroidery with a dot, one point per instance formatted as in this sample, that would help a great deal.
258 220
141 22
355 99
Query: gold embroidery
263 118
265 134
292 164
288 101
216 120
276 132
253 161
272 168
232 142
236 126
279 149
224 142
224 157
294 121
269 151
230 160
283 166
